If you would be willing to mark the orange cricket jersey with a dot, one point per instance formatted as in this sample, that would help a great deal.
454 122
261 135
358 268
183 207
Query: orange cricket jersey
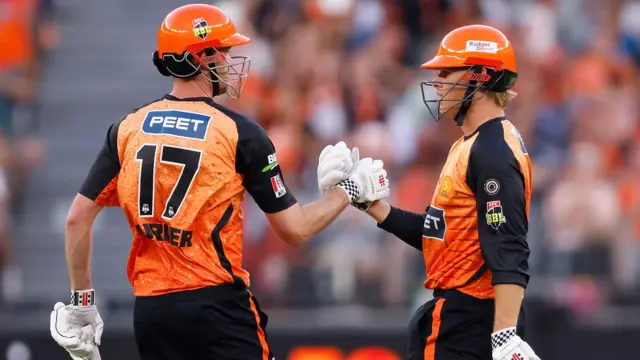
179 169
15 32
474 231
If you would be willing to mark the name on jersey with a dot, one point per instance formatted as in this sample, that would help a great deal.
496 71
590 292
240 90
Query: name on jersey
435 225
176 123
164 232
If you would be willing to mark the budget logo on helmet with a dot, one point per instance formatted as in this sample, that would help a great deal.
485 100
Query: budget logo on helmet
482 46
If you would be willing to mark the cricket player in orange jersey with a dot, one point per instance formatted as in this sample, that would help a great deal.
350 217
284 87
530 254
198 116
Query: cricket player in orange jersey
474 232
179 168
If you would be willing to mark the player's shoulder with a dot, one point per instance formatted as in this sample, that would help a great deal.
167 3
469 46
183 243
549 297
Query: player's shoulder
191 118
140 109
133 114
491 143
514 139
247 128
115 128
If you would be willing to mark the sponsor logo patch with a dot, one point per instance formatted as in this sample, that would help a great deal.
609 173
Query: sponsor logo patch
177 123
489 47
495 217
278 186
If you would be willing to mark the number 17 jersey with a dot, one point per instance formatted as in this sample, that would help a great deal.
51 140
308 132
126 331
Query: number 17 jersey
179 169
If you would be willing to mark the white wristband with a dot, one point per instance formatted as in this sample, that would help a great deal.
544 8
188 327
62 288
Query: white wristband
83 297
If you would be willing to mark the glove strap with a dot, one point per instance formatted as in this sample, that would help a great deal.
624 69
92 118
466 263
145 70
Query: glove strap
83 297
363 206
350 187
501 337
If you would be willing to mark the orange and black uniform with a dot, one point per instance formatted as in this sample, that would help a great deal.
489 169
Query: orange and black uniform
179 169
473 235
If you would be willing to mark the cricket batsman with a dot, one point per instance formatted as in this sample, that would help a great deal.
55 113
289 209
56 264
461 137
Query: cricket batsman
179 168
473 234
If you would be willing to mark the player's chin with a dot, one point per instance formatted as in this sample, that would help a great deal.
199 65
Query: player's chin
222 88
449 112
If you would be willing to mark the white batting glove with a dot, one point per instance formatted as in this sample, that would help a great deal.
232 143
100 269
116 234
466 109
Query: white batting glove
335 164
78 327
507 345
87 336
367 183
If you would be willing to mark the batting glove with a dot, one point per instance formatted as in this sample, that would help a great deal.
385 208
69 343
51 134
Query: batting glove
507 345
78 327
87 336
367 183
335 164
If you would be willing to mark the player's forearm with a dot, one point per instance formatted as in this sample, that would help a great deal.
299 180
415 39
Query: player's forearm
318 214
78 251
379 210
508 300
405 225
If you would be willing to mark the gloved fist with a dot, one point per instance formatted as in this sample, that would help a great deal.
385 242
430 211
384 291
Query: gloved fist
78 327
87 335
367 183
335 164
507 345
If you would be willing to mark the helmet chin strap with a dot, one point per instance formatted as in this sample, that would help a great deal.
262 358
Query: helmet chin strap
468 96
215 85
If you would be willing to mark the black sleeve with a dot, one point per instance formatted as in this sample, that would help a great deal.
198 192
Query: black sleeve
498 184
406 225
98 185
256 160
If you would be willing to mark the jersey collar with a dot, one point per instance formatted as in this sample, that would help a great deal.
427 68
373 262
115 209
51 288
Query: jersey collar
484 125
190 99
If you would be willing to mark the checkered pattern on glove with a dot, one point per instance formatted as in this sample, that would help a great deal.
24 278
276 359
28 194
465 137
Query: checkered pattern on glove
501 337
351 188
367 183
507 345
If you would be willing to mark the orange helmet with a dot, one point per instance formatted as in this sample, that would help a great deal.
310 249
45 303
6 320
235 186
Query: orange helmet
474 45
191 38
486 54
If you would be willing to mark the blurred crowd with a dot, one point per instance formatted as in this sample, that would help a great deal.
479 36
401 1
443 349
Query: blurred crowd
28 33
329 70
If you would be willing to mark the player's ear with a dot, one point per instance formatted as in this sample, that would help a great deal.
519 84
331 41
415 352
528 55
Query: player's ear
160 65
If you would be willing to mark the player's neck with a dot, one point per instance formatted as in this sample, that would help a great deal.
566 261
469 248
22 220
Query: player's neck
190 89
479 115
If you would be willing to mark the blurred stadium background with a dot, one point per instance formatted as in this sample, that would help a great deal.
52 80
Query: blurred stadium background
323 71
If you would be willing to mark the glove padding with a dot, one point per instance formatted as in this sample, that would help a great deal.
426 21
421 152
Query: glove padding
87 336
367 183
78 329
335 164
507 345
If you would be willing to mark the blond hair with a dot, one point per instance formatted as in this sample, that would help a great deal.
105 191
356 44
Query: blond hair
503 98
